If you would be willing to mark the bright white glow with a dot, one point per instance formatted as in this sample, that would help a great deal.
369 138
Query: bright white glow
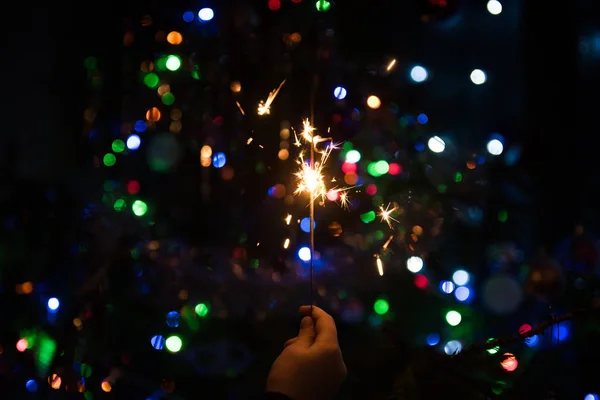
206 14
436 144
304 254
418 74
494 7
460 277
53 304
414 264
340 93
495 147
478 77
133 142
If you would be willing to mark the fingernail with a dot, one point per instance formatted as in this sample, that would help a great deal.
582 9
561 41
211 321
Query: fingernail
306 322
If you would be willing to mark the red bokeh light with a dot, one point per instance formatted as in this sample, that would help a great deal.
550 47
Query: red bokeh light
371 190
274 5
349 168
510 362
133 187
22 345
524 328
333 195
395 169
421 281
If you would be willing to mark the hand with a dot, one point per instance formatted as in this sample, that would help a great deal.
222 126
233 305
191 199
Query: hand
311 366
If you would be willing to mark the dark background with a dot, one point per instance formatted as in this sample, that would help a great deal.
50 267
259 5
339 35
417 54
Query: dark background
541 93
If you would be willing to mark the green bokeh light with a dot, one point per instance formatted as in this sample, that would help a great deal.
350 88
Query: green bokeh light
151 80
109 159
119 205
173 344
323 5
353 156
368 217
118 146
173 63
381 306
139 208
168 99
201 309
453 318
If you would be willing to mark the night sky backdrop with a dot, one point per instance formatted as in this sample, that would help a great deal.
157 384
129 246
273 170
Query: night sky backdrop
145 200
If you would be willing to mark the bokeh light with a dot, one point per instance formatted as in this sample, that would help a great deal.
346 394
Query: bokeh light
173 344
418 74
206 14
494 7
453 318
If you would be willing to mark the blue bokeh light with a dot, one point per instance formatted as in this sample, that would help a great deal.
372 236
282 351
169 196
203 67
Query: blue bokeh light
432 339
173 318
188 16
140 126
219 160
31 385
305 224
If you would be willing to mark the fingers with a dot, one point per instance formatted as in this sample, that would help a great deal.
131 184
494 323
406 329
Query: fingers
307 334
324 325
290 342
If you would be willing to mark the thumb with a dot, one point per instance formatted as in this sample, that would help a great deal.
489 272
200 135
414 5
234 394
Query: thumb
306 336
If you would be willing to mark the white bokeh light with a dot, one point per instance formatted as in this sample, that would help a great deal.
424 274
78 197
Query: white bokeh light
495 147
478 77
53 304
133 142
304 254
494 7
436 144
460 277
453 347
414 264
418 74
206 14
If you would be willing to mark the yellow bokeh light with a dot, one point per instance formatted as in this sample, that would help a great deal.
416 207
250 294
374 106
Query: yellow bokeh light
153 114
105 385
174 38
283 154
373 102
236 87
55 381
206 152
163 89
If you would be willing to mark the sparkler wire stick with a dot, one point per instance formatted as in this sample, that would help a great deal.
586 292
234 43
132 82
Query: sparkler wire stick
312 231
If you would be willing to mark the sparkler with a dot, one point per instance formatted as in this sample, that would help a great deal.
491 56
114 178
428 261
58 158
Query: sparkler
264 107
311 180
386 215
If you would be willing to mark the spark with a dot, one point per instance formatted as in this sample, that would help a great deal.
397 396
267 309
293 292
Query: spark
286 243
391 65
288 219
264 107
387 243
379 264
310 176
239 106
386 215
249 140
